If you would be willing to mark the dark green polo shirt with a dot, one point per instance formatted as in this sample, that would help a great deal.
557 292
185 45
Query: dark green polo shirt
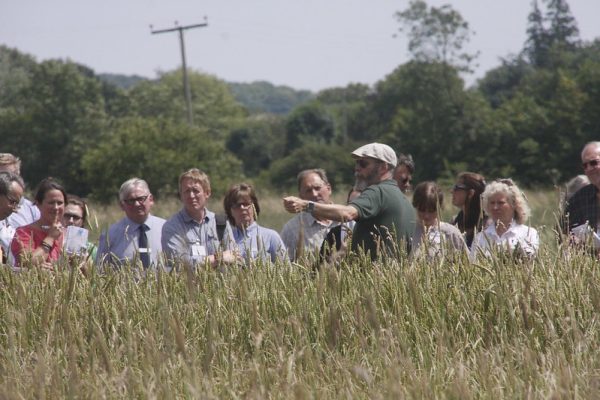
384 215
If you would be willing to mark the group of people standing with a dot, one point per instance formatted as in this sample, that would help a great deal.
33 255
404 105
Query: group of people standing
377 221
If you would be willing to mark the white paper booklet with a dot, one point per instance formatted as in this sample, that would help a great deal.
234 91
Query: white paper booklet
76 240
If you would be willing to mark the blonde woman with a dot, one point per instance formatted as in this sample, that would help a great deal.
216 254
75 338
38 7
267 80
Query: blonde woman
506 205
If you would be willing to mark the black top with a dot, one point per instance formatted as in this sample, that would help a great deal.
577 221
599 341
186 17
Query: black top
582 208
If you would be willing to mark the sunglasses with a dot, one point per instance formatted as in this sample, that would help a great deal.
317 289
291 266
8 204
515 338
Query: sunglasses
12 201
239 206
362 163
132 202
73 216
591 163
459 186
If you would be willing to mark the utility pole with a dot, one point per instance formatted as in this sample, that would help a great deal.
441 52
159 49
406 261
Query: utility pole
186 84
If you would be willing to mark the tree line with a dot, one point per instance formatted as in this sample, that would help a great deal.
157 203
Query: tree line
528 118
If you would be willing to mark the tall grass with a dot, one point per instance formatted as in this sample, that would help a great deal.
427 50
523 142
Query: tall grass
496 329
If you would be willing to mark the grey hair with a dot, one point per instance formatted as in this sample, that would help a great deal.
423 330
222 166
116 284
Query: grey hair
513 193
319 171
6 180
10 159
594 143
575 184
407 161
129 184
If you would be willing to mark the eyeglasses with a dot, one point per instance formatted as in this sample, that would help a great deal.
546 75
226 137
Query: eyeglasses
591 163
459 186
132 202
244 206
12 202
76 218
362 163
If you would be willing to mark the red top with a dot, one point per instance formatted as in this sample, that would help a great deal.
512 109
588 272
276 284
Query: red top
30 238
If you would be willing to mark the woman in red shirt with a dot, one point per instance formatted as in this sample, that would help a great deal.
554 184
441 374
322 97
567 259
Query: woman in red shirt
40 243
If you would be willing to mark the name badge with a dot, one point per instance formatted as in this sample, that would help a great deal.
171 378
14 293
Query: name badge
198 250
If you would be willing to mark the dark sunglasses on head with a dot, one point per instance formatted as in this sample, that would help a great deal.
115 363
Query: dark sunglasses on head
591 163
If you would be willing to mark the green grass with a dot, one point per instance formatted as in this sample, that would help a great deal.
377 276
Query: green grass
389 329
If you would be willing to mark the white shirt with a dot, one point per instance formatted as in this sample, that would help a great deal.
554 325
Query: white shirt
6 234
519 236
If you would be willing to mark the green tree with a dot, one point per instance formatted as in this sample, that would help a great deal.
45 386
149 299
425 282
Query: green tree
258 142
62 117
349 106
436 34
157 150
213 105
335 159
309 122
264 97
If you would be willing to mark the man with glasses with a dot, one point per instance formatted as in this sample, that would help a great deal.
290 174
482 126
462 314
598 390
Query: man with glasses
582 207
137 237
27 212
385 220
303 235
193 235
11 191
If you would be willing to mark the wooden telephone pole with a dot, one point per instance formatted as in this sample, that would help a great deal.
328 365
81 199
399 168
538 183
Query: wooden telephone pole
186 84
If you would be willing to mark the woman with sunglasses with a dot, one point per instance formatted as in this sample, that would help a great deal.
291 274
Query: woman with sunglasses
466 195
506 205
251 241
40 243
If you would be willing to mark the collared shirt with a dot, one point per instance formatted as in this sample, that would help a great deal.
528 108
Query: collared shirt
304 232
386 220
26 214
582 208
256 242
437 241
120 243
186 240
6 235
517 236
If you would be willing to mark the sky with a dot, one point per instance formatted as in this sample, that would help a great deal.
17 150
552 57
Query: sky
304 44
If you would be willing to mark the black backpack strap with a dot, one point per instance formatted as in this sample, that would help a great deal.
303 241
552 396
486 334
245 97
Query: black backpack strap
221 221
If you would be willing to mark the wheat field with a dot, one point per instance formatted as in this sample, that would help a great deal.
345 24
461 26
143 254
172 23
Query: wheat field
389 329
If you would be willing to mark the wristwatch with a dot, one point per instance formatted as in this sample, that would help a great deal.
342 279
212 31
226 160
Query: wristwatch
310 207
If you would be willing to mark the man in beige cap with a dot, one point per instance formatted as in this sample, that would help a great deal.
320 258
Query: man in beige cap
384 217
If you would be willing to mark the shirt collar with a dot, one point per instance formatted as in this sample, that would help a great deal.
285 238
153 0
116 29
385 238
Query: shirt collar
237 232
135 225
492 228
208 215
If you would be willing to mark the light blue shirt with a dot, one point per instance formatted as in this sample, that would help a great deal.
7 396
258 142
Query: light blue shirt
120 243
256 242
25 215
186 240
